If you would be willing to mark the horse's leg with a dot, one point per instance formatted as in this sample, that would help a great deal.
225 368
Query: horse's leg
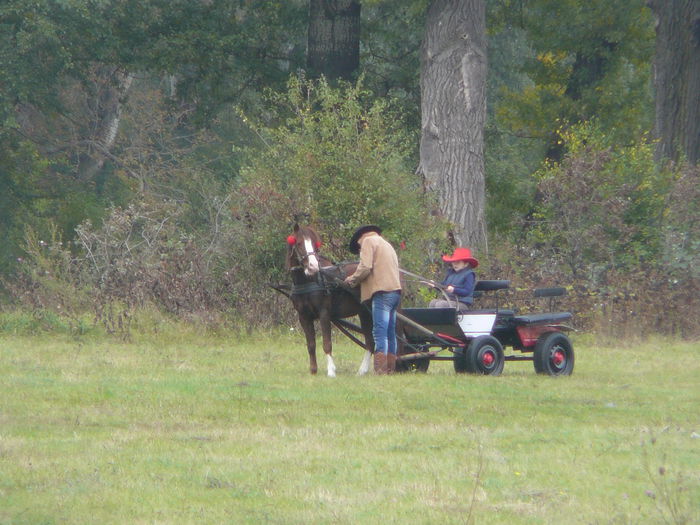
366 324
307 324
325 322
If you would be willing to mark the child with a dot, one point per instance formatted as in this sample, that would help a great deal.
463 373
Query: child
459 282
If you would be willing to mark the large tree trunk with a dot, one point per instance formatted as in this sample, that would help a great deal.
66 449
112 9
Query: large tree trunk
677 78
334 38
453 90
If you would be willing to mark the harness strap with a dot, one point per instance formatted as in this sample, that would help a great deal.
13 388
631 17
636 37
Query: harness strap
301 289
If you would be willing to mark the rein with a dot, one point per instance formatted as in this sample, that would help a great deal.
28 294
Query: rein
429 282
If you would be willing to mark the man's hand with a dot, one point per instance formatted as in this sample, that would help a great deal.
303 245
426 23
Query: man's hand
350 281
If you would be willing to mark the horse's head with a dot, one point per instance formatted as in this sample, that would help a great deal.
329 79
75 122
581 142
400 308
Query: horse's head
302 250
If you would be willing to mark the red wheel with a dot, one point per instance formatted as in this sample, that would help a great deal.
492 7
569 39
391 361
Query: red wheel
485 356
554 355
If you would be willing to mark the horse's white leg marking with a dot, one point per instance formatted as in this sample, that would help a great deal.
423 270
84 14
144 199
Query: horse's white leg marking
364 367
331 365
313 266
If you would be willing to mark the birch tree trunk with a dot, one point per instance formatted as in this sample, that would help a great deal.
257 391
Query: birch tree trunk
677 79
334 38
111 87
453 114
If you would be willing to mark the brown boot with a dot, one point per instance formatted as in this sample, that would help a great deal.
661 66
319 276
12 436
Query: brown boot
390 363
379 363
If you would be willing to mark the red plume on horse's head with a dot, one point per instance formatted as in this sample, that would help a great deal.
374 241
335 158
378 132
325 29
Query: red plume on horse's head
291 240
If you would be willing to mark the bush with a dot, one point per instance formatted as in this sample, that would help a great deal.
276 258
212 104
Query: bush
336 162
681 225
621 233
602 207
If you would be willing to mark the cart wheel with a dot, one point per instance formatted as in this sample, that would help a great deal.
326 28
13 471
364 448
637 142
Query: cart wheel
461 363
485 356
554 355
414 365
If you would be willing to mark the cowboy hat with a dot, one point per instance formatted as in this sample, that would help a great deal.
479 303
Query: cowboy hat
354 244
461 254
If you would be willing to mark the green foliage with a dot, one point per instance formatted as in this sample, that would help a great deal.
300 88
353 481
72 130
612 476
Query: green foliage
48 280
390 51
681 224
342 156
510 157
603 205
223 52
586 61
20 169
43 321
51 94
40 192
340 159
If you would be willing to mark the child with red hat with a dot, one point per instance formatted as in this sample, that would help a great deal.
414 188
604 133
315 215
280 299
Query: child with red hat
459 281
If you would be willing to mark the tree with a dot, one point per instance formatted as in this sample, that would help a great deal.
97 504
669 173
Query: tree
334 38
677 79
59 110
453 88
343 160
66 69
585 61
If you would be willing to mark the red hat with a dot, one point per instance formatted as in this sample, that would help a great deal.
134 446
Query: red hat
461 254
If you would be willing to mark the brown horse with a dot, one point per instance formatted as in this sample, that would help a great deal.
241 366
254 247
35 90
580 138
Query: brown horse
318 293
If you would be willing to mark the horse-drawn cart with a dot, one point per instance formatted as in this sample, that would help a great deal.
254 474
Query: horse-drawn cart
475 340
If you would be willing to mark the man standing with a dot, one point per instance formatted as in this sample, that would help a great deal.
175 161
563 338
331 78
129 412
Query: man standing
378 277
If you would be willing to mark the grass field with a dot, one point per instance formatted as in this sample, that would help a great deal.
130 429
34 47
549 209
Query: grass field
204 429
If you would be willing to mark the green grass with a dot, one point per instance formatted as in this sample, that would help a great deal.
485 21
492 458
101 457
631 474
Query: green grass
200 429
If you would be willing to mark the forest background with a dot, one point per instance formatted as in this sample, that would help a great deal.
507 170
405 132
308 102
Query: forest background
155 155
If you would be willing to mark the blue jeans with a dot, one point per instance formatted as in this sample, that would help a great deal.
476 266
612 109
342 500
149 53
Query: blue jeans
384 306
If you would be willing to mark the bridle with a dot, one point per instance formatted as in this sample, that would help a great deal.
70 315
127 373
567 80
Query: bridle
309 258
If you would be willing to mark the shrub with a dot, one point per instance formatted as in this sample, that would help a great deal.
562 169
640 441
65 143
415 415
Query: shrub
681 225
621 233
340 161
337 161
602 207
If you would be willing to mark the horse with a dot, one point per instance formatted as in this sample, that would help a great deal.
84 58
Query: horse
319 293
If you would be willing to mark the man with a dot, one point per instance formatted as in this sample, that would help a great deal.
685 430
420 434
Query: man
378 277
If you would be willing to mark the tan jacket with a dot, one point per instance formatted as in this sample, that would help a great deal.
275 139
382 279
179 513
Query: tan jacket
378 270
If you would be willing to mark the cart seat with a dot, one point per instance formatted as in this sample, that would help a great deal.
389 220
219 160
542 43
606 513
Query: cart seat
437 320
501 312
431 316
528 319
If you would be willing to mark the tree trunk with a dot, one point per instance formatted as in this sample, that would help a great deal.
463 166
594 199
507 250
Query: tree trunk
111 86
334 38
453 90
677 79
